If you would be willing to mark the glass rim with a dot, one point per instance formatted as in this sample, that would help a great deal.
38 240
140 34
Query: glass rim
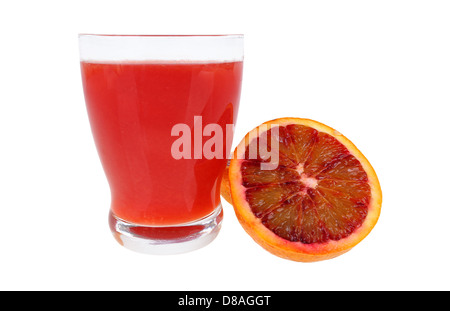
161 35
183 47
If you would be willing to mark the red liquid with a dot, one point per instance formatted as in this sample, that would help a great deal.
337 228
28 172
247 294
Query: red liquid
132 108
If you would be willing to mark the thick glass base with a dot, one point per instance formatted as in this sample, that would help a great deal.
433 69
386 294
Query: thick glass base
168 239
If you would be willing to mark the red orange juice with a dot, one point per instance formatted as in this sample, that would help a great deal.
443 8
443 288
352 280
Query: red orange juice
132 108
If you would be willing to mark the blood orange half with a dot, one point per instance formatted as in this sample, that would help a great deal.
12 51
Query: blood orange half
319 200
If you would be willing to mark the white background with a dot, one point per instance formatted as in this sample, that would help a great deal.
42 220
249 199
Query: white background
377 71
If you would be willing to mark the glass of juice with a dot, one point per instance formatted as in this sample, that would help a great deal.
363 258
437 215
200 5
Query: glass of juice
162 111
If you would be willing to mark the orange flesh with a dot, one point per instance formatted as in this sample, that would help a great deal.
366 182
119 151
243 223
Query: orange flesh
319 191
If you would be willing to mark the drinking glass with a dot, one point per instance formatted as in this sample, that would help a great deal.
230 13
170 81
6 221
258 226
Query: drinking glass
162 111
